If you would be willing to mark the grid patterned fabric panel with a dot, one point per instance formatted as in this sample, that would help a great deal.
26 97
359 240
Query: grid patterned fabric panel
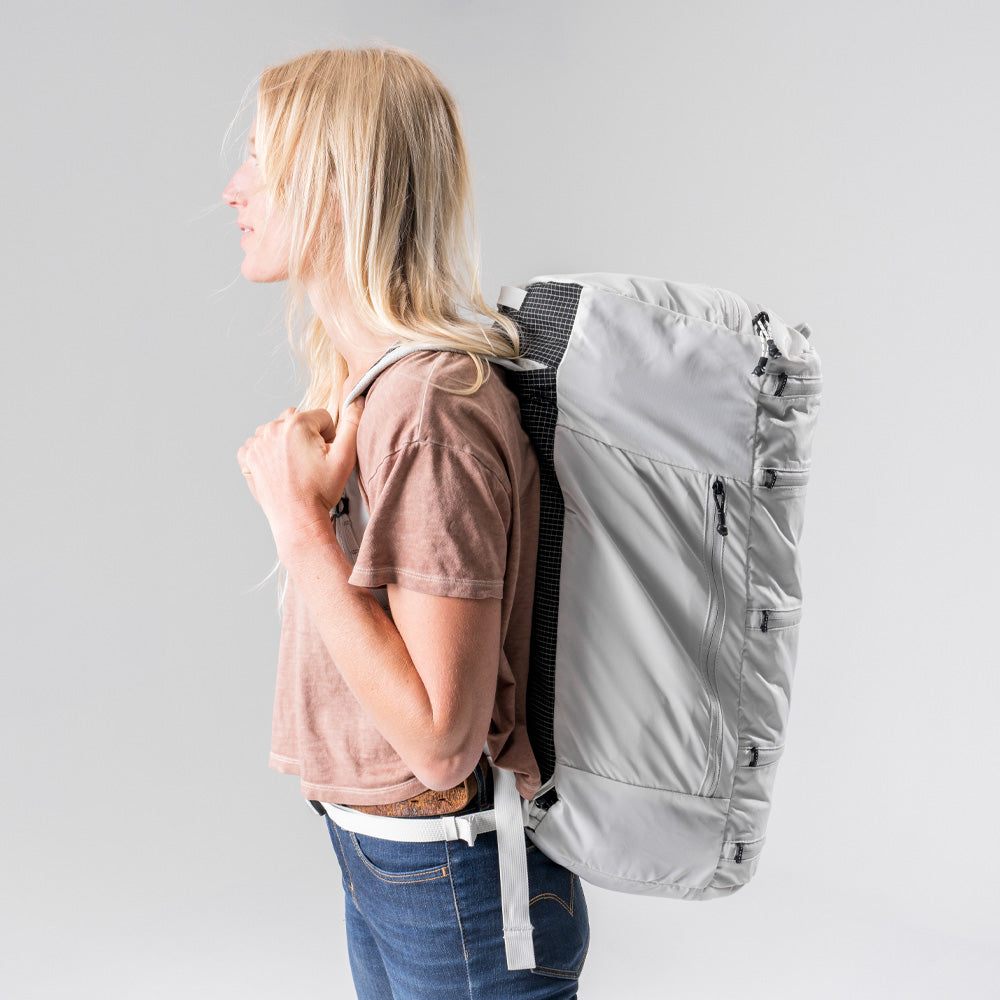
545 321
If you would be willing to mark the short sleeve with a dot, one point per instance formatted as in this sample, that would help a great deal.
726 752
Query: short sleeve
439 522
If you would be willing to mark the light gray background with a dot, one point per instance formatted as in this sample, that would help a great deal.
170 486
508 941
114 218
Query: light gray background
836 161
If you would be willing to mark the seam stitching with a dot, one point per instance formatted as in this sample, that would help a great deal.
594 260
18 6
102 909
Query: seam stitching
401 879
458 917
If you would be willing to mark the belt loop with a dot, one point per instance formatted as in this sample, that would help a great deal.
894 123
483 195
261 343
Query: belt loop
460 828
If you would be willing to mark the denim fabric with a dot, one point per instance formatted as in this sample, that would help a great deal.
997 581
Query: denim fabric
424 920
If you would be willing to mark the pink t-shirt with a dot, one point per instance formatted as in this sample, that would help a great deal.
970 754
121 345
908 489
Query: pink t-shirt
451 486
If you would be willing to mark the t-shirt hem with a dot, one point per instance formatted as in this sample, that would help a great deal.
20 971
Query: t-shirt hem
344 794
425 583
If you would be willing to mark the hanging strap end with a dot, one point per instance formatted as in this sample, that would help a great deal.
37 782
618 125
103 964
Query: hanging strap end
520 948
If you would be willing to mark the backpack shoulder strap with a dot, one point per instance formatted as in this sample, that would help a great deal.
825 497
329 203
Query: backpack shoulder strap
391 356
397 351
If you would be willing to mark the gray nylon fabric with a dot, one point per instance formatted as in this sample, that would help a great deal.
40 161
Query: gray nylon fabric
671 700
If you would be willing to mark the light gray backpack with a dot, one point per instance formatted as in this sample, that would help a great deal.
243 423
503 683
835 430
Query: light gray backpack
673 425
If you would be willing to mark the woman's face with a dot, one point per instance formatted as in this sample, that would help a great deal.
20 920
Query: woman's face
266 247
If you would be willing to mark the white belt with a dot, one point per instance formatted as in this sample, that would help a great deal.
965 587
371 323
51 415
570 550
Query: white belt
507 817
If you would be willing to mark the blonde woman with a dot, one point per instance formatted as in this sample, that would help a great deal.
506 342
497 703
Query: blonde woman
406 523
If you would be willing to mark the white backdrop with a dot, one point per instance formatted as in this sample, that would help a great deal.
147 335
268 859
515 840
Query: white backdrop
837 162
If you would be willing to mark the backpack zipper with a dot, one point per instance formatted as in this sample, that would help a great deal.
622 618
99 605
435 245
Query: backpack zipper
787 386
754 754
719 492
346 535
347 538
768 348
769 619
715 545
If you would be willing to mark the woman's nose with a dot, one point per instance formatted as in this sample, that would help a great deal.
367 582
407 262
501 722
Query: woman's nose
232 195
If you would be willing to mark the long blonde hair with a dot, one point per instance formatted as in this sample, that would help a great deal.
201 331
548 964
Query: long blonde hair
374 132
364 152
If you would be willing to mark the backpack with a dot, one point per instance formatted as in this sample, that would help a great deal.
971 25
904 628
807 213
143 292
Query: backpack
673 426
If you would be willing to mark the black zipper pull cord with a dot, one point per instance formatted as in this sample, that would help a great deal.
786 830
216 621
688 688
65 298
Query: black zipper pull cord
782 379
343 507
738 856
764 615
760 322
770 478
754 754
720 506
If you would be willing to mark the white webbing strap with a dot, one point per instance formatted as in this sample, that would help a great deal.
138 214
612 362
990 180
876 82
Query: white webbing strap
517 940
506 817
511 296
415 831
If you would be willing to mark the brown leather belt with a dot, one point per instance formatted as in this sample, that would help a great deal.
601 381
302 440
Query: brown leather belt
432 802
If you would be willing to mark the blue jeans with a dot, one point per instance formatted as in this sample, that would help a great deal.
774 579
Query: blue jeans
424 921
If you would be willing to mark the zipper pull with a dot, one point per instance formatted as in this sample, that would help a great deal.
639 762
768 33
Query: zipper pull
754 754
719 490
764 615
738 856
760 322
782 379
343 507
770 478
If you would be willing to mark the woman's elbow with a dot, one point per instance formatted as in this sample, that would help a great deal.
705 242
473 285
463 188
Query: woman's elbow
443 771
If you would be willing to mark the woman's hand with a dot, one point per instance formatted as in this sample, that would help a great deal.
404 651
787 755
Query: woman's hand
297 468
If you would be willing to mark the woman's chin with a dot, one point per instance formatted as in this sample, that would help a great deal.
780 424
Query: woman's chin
262 275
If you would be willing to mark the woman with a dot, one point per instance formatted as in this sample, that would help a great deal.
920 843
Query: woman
404 645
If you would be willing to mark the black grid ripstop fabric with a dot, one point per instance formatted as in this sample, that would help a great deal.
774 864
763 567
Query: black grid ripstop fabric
545 321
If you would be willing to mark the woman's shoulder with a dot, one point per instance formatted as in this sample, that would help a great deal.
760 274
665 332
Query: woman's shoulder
414 402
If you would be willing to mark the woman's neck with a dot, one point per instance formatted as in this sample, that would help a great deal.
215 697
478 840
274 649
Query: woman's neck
359 345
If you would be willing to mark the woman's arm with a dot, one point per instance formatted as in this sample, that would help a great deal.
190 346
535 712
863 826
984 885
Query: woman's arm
428 678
